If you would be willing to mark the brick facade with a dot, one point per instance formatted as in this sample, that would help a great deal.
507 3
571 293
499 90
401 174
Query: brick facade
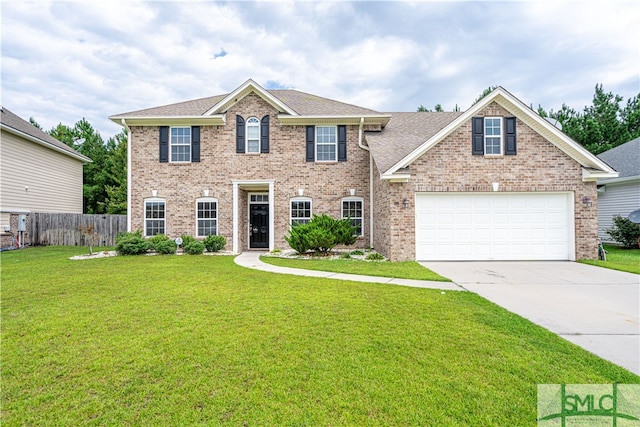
449 166
180 184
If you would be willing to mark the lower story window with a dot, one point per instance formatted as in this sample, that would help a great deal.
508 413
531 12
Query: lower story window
300 211
207 217
352 208
154 217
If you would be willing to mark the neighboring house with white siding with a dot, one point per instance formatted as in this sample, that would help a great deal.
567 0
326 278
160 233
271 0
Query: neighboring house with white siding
38 173
619 196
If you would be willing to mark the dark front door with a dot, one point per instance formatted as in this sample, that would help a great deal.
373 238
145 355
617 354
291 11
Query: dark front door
259 226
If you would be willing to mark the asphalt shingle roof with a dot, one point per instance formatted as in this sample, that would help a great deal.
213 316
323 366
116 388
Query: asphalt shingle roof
404 133
624 158
13 121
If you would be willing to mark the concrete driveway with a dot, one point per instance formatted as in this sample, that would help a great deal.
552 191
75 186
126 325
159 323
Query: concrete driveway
595 308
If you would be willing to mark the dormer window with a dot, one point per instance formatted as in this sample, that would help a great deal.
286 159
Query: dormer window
253 135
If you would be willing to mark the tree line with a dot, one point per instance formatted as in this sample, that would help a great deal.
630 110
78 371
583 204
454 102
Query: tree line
604 124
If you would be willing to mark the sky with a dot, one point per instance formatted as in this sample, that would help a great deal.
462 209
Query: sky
62 61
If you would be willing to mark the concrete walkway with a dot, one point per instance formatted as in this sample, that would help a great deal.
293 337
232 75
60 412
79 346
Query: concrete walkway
252 260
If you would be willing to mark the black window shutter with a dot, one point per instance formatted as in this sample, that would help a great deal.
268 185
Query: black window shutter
477 136
510 136
164 144
240 134
311 146
342 143
264 134
195 143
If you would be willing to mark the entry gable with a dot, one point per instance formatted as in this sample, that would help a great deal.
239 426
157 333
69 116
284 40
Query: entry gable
592 166
245 89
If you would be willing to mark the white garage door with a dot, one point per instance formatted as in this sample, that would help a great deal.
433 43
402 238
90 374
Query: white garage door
494 226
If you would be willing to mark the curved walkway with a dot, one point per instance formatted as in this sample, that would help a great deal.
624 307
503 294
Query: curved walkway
252 260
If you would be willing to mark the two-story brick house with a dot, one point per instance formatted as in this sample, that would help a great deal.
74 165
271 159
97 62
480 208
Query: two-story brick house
495 182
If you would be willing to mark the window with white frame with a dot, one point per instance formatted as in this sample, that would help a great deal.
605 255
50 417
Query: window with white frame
326 143
300 210
154 217
352 208
180 143
206 217
253 135
492 135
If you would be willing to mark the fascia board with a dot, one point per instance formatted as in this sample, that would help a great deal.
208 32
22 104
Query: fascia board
525 114
216 120
398 177
594 175
334 120
39 141
242 91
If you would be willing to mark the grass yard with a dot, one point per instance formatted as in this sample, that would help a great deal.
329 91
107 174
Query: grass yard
618 259
401 270
197 340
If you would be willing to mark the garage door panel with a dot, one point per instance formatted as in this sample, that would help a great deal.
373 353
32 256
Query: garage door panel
493 226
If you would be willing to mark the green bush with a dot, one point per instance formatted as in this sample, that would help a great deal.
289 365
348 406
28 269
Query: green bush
155 240
193 247
166 247
375 256
131 243
345 255
357 252
321 234
186 239
625 232
214 243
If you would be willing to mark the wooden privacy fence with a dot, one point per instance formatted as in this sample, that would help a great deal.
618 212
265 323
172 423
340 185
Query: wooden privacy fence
68 229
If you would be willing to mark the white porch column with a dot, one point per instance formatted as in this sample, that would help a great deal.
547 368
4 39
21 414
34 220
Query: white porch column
271 217
235 218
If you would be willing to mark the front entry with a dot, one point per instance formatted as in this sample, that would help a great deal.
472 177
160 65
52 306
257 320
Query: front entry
258 226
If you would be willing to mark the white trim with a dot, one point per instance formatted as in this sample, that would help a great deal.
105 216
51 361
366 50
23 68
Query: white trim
129 192
373 119
235 217
206 200
271 217
217 120
246 134
500 136
252 186
249 203
522 112
243 90
144 212
354 199
171 144
300 199
334 144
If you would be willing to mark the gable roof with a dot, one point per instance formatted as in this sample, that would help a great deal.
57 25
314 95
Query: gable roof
593 167
295 107
624 158
10 122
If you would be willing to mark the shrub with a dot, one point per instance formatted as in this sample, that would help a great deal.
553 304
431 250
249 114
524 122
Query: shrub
193 247
321 234
131 243
357 252
345 255
166 247
214 243
154 240
186 239
374 256
625 232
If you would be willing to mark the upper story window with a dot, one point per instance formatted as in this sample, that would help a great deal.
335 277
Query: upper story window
352 208
326 143
300 210
206 217
253 135
492 135
180 142
154 217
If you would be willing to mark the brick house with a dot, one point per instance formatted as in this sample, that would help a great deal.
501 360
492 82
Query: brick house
495 182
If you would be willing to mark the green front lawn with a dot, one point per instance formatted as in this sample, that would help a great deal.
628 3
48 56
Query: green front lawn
618 259
198 340
400 270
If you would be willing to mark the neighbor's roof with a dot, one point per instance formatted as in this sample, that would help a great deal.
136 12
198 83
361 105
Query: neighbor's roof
304 104
404 133
14 124
624 158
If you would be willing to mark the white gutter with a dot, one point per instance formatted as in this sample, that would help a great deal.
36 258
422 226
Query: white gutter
124 123
364 147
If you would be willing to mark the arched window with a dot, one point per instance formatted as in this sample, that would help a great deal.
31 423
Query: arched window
253 135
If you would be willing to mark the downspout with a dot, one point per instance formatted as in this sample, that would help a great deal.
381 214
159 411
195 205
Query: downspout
124 123
364 147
